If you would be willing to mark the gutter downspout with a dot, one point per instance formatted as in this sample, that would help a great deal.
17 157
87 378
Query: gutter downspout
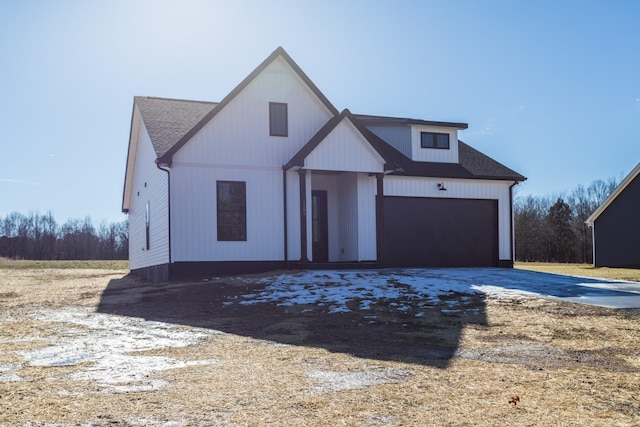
284 201
167 170
511 225
592 226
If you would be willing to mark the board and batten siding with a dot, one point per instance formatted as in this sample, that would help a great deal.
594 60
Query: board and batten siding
344 149
239 134
434 154
397 136
293 215
366 217
460 189
194 214
149 186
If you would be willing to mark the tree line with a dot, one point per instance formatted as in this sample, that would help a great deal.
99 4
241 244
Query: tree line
39 237
547 229
553 229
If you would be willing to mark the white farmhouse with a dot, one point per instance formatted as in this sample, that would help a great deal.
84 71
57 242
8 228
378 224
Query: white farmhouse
273 176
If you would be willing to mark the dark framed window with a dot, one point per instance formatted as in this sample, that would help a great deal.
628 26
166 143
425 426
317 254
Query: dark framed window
147 221
434 140
232 210
278 121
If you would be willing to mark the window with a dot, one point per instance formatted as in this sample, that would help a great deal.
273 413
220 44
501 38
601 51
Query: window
278 123
232 210
434 140
147 220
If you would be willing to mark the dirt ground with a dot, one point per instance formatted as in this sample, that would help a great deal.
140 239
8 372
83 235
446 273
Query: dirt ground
88 347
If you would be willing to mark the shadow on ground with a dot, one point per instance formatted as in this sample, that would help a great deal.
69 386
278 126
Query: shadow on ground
402 329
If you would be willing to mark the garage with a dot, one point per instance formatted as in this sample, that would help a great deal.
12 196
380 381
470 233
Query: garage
437 232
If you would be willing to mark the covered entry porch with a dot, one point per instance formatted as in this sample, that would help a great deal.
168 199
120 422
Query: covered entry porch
340 216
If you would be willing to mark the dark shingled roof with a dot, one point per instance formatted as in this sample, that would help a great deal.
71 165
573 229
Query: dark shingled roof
482 165
473 164
168 120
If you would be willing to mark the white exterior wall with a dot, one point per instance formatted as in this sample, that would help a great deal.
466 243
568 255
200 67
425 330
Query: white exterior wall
344 149
149 185
239 134
194 214
434 154
235 146
293 216
348 211
366 217
460 189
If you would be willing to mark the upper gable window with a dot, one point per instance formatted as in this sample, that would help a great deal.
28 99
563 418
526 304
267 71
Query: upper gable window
278 123
434 140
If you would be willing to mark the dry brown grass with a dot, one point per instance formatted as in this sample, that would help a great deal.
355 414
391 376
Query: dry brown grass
570 365
586 270
64 264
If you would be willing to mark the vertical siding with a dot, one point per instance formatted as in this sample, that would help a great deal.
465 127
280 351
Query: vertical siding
617 230
194 215
149 185
236 146
348 214
397 136
366 217
293 216
460 189
344 149
239 134
434 154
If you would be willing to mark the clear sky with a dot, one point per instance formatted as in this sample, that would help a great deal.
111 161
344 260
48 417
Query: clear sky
549 88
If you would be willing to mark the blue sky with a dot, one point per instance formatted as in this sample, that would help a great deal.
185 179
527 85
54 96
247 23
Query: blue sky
549 88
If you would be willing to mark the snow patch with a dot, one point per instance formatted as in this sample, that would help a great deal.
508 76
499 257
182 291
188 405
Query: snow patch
330 381
105 342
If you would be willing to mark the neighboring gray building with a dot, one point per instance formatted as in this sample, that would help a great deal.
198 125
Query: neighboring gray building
616 225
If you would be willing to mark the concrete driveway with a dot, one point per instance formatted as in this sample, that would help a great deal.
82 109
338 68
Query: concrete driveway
584 290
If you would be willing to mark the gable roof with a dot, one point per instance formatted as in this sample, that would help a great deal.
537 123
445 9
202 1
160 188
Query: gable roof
168 120
167 156
473 164
381 147
619 189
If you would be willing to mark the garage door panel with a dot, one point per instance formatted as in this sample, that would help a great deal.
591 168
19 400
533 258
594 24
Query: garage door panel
429 232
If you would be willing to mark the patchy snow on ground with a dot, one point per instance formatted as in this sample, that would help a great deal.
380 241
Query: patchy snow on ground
109 344
329 381
336 289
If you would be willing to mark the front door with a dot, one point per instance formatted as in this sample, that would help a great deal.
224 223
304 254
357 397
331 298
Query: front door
319 226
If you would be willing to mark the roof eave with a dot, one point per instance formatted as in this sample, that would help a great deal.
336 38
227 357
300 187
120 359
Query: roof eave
279 52
619 189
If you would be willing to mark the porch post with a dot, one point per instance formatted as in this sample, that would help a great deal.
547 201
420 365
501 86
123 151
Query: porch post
303 216
380 218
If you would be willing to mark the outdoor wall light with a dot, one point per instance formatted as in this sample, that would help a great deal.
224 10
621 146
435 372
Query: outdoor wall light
441 186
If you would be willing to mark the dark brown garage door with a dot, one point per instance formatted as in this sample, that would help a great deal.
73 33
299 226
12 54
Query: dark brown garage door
424 232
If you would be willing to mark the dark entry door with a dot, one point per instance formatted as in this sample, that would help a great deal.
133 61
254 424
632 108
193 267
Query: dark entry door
319 226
